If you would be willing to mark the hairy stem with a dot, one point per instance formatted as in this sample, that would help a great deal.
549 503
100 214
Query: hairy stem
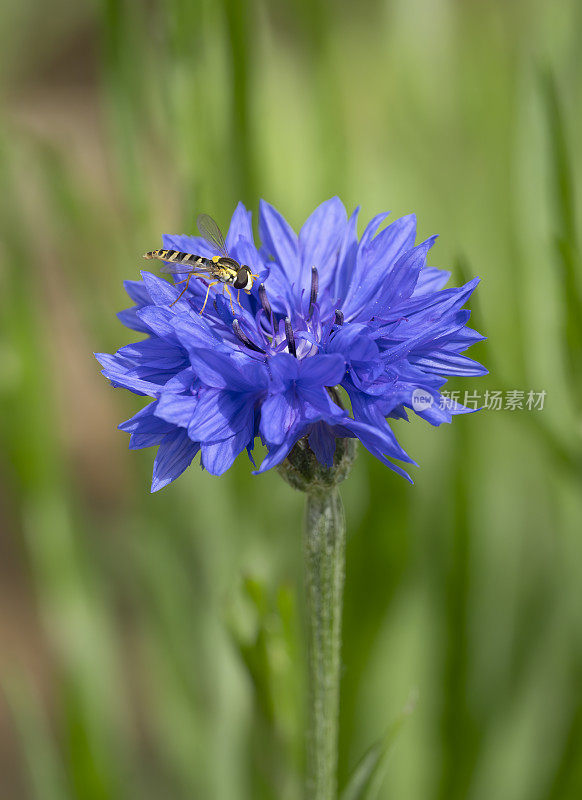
324 546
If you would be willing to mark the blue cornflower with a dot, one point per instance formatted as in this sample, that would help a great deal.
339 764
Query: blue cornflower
328 310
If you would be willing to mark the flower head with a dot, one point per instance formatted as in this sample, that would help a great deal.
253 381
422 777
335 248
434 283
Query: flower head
328 310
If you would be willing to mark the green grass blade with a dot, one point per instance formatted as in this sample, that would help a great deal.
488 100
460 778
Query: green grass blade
240 37
566 237
367 778
44 769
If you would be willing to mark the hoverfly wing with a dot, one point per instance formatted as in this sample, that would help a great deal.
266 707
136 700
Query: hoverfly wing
211 233
179 269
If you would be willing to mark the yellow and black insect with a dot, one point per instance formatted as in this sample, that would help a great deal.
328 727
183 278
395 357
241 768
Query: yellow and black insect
218 269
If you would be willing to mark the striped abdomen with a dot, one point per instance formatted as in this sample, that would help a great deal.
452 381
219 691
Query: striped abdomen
176 257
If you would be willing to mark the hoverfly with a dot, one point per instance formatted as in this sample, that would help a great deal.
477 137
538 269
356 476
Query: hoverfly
218 269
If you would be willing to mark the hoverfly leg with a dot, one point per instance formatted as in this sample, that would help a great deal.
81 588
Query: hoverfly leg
210 285
230 298
226 289
183 290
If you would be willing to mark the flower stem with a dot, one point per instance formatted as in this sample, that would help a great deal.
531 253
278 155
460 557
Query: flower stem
324 547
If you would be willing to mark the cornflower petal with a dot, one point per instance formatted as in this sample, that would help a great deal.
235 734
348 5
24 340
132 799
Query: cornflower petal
320 239
174 455
280 241
240 228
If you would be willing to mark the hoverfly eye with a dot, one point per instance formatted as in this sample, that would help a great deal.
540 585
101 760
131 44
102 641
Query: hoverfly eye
242 278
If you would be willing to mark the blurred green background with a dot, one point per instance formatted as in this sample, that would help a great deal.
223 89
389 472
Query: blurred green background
150 646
